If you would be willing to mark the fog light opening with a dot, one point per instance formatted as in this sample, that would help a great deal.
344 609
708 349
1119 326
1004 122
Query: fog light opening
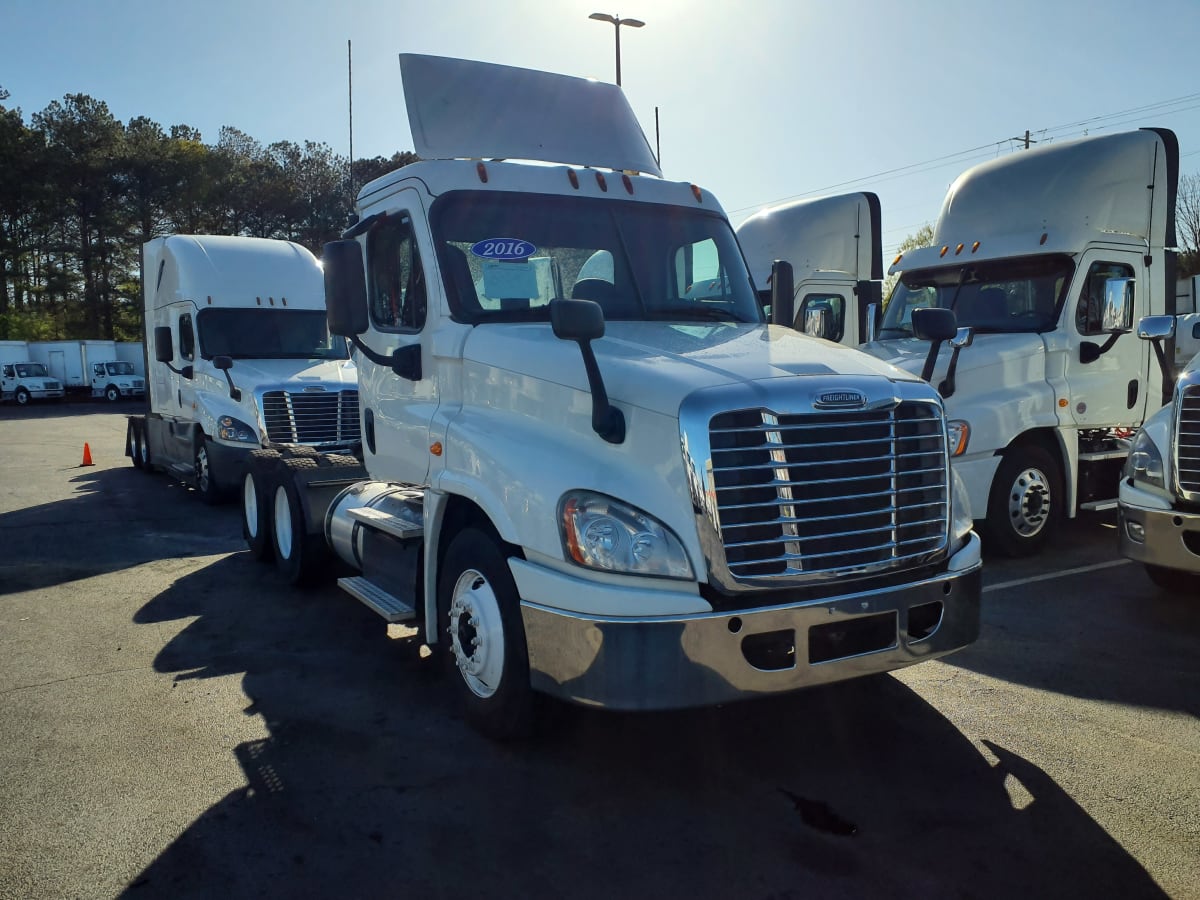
923 620
1135 531
771 651
735 624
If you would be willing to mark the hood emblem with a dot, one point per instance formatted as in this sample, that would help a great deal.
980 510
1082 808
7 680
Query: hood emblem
841 400
313 388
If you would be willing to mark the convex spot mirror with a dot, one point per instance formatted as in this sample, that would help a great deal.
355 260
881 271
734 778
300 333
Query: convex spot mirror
1117 315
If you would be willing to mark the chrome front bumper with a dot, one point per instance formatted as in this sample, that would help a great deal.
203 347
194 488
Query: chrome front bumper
703 659
1160 537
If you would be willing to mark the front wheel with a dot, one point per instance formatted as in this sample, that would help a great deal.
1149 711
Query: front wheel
23 397
135 443
206 482
1026 502
479 619
112 393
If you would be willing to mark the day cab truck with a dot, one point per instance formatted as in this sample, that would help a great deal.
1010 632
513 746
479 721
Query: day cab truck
1047 258
589 468
834 246
24 380
1159 501
242 360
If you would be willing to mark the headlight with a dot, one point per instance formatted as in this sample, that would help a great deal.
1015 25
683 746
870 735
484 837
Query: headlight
1144 465
958 433
960 524
602 533
231 429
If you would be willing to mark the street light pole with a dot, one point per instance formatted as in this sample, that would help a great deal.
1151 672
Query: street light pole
617 22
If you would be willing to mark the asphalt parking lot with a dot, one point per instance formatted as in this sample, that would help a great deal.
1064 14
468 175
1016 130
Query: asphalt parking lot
176 723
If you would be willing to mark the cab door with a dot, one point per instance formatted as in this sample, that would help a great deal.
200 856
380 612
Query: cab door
397 409
1108 376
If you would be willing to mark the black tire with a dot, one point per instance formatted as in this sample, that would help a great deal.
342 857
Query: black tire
1173 581
134 438
492 680
206 481
23 397
143 447
112 393
1026 502
301 558
256 508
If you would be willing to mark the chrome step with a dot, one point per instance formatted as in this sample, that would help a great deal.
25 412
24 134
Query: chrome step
1098 505
1101 455
391 608
387 523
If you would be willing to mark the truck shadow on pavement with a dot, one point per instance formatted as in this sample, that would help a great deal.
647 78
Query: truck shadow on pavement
368 785
93 532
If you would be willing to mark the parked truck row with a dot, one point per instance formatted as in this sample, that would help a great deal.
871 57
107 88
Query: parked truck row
46 370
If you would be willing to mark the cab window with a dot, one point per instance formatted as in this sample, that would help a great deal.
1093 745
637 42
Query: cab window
1089 310
187 338
396 282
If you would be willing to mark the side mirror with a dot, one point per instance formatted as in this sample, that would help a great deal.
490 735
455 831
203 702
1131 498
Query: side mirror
577 320
1156 328
1117 316
783 294
345 288
164 352
582 321
223 363
817 322
934 324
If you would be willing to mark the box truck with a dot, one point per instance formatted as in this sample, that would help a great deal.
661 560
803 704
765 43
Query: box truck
24 379
1046 258
242 359
589 467
93 366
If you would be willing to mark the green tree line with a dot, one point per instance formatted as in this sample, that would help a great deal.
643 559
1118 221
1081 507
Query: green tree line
80 192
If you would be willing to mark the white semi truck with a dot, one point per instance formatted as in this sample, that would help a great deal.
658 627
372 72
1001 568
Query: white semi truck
589 467
22 379
1159 508
834 246
242 359
1047 258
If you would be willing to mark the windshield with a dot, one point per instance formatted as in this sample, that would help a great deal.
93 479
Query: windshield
507 255
31 370
1004 295
267 334
119 368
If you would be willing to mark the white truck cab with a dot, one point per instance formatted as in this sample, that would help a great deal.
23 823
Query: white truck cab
589 467
116 379
242 359
834 247
24 380
1046 258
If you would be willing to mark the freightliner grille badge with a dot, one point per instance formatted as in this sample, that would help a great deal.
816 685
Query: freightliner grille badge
840 400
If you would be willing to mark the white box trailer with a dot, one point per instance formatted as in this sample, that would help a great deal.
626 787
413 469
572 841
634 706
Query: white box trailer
134 353
23 378
63 360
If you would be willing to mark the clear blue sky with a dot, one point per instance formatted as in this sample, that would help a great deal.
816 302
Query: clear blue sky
758 100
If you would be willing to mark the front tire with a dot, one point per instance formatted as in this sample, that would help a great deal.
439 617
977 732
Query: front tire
479 619
1026 502
135 443
23 397
206 480
112 393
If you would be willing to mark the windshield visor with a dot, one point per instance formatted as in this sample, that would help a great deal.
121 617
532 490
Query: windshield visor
1001 296
505 256
267 334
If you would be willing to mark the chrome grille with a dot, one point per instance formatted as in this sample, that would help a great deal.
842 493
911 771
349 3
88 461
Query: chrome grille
324 417
1187 442
829 492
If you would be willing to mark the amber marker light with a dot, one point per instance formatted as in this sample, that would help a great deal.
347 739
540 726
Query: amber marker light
945 250
481 170
573 178
568 515
1062 402
896 261
975 246
959 249
696 193
436 448
600 181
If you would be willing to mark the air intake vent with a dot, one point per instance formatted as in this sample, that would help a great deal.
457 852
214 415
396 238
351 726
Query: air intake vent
318 419
1187 443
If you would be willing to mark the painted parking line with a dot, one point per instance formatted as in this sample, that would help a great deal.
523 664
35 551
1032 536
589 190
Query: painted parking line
1050 575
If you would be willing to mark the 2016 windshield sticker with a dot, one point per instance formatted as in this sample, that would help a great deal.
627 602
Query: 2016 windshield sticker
503 248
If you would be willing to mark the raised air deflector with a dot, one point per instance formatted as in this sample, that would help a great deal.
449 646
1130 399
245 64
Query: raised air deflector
462 109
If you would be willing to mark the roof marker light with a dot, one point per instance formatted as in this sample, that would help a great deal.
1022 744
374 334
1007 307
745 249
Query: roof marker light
944 251
896 261
600 181
959 249
481 170
1043 240
975 246
573 178
696 193
625 179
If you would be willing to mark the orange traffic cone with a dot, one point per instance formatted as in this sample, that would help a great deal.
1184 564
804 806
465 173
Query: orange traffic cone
87 456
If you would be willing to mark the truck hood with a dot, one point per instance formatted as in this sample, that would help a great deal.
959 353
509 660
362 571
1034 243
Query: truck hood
655 365
990 357
251 374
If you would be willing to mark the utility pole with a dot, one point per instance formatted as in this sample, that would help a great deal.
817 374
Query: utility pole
617 22
1027 139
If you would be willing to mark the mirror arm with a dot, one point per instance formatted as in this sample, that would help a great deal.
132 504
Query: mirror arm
607 420
404 361
947 388
935 348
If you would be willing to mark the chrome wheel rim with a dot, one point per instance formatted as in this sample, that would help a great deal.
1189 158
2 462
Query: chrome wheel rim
283 524
202 473
1029 502
250 505
477 634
